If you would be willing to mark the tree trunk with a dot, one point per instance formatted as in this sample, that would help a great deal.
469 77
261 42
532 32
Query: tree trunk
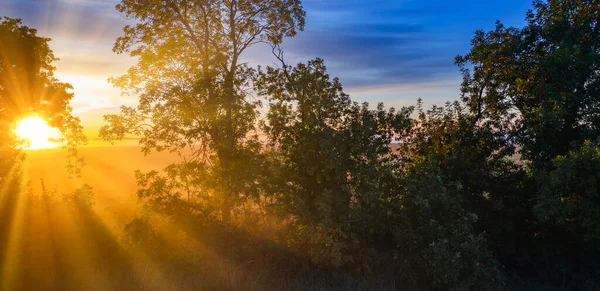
228 149
226 211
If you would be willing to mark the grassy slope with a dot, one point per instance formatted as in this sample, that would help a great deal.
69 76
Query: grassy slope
109 170
66 246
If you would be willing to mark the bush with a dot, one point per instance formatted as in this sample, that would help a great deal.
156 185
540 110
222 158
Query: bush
437 243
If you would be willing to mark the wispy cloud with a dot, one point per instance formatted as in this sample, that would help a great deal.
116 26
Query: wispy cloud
391 50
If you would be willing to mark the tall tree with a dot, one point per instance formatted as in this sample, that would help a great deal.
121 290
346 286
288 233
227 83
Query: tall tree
192 85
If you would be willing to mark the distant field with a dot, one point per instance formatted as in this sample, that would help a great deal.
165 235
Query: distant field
109 170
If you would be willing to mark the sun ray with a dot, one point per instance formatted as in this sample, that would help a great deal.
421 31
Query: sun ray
145 269
13 234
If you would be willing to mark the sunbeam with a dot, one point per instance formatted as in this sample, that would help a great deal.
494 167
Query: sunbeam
12 209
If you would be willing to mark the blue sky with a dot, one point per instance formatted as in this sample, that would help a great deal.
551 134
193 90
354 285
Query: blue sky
393 51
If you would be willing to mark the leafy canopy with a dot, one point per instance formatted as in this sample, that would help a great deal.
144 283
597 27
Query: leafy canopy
193 89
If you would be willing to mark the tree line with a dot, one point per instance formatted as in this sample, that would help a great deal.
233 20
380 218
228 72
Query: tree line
495 191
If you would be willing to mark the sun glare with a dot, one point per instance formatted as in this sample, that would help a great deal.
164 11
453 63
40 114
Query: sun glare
38 133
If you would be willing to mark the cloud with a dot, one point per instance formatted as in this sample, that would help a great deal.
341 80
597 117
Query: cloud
368 59
90 20
395 44
364 43
101 66
391 50
81 31
376 45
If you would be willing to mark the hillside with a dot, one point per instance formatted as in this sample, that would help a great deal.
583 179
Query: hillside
109 170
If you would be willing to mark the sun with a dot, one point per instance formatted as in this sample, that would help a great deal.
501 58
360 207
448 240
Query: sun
37 133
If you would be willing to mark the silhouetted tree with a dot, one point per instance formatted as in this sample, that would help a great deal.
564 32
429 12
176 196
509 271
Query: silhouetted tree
539 84
28 86
333 160
537 89
192 86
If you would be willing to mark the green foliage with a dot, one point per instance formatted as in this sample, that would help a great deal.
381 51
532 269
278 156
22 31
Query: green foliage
324 245
537 88
347 190
518 78
329 147
453 173
569 194
477 157
437 242
192 87
334 163
568 211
